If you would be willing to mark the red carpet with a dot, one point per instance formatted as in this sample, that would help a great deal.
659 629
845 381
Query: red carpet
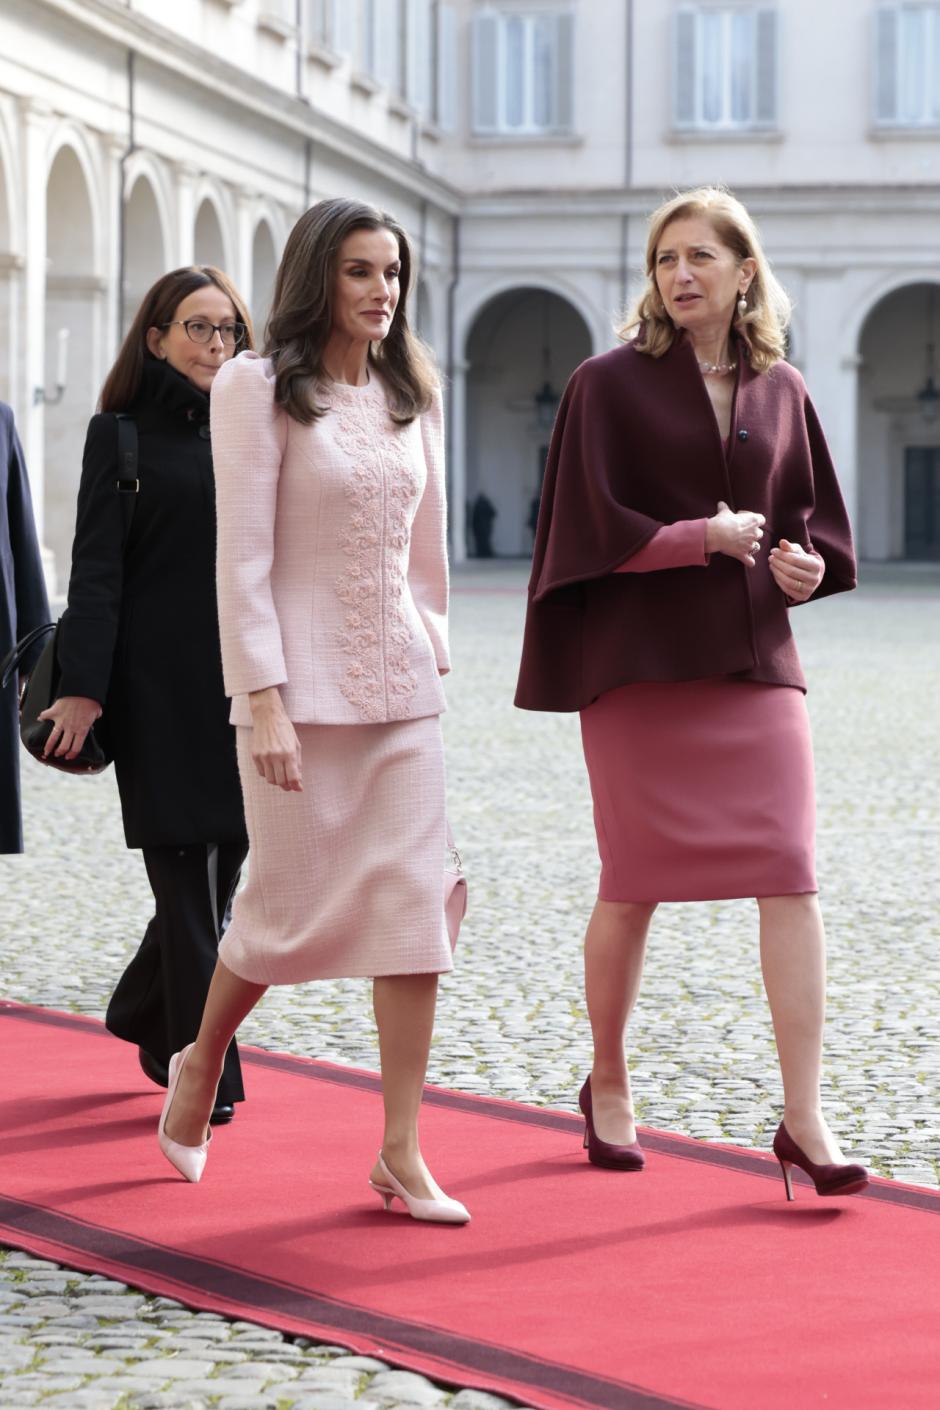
691 1284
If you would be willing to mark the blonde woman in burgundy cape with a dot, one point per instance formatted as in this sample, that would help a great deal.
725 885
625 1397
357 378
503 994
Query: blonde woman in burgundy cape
332 586
690 505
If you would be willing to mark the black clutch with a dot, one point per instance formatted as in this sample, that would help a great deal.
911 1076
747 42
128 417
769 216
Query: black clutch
42 690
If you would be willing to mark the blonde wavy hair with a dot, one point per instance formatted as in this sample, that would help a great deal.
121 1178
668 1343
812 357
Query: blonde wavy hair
763 327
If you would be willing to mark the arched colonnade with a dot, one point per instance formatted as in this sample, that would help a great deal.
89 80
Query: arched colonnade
84 231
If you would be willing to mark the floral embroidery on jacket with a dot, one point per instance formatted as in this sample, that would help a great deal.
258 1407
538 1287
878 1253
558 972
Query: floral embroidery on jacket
381 491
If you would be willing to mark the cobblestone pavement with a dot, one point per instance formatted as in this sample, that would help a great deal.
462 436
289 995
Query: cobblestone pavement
512 1021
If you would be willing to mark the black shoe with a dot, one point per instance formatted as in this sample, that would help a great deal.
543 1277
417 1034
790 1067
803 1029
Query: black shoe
153 1069
222 1112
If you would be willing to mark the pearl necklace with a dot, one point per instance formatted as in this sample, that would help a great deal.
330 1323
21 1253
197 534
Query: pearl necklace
717 369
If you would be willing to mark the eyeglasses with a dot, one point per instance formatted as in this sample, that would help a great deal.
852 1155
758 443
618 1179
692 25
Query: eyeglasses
200 330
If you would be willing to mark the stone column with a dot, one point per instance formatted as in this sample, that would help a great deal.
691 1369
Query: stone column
36 120
457 470
243 273
186 178
831 377
111 335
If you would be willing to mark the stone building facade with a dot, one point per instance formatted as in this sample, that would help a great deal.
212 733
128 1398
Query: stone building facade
522 142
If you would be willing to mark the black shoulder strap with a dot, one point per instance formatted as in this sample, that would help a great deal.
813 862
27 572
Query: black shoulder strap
127 483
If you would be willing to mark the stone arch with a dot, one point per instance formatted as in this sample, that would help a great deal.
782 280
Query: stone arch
898 421
264 261
75 296
598 323
10 265
421 313
522 344
145 244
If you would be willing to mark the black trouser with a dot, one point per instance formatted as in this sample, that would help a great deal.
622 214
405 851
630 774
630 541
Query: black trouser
159 999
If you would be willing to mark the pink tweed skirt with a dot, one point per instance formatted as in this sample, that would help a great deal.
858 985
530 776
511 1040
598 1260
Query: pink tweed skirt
702 790
345 879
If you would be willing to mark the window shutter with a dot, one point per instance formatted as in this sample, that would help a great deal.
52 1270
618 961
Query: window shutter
446 69
366 28
388 44
485 73
684 104
419 56
886 64
564 73
342 18
313 14
765 68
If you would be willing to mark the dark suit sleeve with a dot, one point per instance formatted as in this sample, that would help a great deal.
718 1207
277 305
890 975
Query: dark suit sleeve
89 629
828 526
31 603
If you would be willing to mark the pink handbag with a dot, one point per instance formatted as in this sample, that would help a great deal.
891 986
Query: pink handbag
455 891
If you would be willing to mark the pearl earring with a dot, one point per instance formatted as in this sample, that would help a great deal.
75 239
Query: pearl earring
742 306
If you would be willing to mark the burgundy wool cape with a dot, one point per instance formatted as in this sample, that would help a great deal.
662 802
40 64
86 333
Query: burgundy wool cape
636 445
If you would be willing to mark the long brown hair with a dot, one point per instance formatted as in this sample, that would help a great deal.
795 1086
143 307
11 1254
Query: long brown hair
763 327
301 318
159 306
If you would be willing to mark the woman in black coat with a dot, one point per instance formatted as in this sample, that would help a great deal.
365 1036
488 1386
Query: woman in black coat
23 606
140 642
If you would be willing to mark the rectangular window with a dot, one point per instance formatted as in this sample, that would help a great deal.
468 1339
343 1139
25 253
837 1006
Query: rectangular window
725 67
907 65
380 46
523 72
329 24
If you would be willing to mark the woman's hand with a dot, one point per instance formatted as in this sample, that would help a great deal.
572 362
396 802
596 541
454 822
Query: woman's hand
72 717
796 572
736 534
275 747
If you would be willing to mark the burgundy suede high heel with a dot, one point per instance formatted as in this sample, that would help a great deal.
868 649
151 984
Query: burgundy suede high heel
605 1153
829 1179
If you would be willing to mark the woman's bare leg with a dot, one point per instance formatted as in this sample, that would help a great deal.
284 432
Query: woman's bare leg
404 1014
614 949
793 961
228 1002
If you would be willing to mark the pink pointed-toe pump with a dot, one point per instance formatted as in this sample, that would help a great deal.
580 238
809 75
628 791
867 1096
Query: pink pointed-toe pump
606 1153
190 1161
831 1179
440 1210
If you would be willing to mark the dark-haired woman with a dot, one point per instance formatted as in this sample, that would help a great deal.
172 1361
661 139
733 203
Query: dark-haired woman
332 577
140 640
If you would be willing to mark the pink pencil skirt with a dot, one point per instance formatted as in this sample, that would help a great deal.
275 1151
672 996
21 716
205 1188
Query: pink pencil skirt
702 790
345 879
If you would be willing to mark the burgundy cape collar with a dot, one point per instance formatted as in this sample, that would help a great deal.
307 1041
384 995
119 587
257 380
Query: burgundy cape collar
636 445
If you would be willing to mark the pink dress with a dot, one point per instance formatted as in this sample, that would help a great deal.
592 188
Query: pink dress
702 789
332 586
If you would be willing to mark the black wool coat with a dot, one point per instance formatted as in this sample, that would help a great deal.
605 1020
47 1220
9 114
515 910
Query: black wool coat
23 606
635 446
141 633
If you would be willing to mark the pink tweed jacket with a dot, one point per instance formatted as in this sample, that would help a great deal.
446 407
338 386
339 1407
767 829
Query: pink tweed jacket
332 561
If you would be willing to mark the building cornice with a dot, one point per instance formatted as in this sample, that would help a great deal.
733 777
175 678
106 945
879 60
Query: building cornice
825 199
168 50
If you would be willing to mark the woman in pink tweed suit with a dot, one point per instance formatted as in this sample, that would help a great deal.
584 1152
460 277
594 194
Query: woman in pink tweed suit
332 584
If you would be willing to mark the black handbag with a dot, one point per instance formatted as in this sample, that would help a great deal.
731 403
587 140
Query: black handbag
42 687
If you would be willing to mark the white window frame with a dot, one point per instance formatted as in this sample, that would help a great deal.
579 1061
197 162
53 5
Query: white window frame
497 123
689 113
891 66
